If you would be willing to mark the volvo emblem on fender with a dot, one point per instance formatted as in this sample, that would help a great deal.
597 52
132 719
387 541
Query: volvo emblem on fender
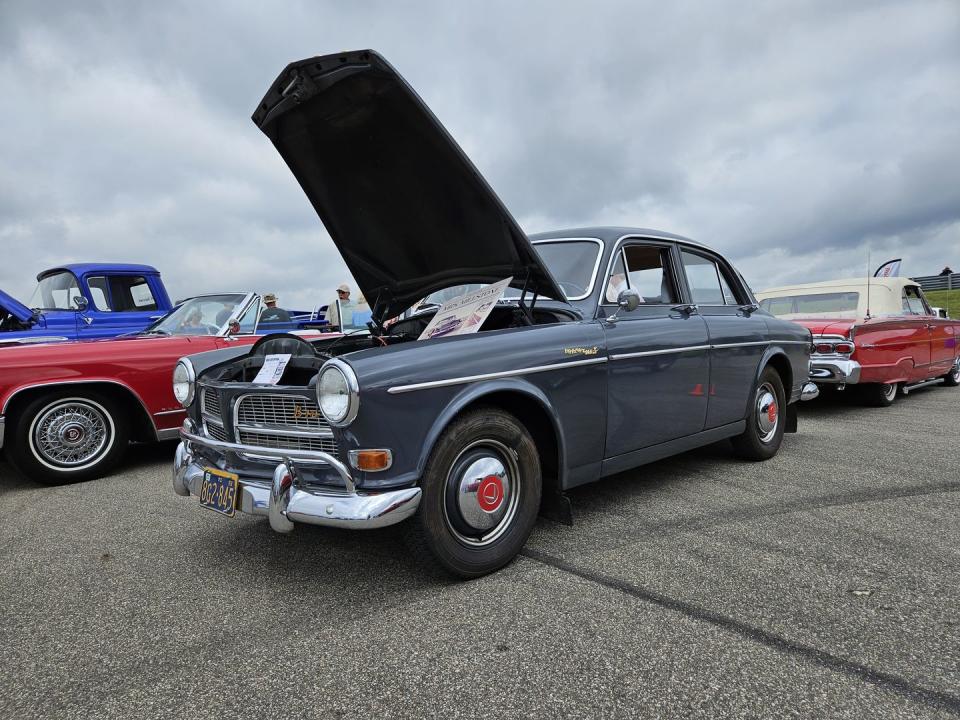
490 493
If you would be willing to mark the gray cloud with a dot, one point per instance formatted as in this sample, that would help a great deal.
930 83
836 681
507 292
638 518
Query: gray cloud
797 140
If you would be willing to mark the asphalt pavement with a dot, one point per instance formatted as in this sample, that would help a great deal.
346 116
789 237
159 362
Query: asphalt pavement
822 583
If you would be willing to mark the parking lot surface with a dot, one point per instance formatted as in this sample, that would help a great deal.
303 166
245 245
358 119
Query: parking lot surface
822 583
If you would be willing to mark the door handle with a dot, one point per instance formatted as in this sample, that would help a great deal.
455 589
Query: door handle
685 309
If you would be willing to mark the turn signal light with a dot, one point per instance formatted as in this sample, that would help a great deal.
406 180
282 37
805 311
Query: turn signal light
371 460
844 347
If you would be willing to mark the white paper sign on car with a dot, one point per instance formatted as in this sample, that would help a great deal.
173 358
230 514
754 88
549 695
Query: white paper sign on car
272 370
465 314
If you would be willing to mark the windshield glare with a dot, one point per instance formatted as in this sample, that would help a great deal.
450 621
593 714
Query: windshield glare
55 292
572 264
200 316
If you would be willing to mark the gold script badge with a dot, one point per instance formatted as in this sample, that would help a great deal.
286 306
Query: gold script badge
302 411
581 350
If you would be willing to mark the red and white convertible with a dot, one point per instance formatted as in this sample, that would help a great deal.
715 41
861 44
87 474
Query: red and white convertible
879 334
68 411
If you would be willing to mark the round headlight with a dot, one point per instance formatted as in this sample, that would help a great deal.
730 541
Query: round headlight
184 382
338 394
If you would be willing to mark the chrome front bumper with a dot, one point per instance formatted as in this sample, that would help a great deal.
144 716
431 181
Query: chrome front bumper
837 371
286 503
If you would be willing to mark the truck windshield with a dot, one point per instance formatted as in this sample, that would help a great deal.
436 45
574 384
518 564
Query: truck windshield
842 305
207 315
55 292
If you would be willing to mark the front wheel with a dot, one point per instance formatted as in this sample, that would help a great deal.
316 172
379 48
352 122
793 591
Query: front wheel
67 436
764 433
481 494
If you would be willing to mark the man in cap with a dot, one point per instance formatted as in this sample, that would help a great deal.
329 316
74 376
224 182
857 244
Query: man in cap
335 309
272 313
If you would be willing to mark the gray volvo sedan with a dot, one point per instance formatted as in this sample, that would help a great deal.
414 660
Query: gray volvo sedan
613 347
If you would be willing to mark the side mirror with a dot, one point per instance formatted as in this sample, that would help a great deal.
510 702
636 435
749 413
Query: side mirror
629 299
233 327
81 302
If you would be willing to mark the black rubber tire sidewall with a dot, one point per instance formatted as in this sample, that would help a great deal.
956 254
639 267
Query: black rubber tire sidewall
873 395
748 445
950 380
21 457
428 531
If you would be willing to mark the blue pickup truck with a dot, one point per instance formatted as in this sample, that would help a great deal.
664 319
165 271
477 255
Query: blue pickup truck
85 301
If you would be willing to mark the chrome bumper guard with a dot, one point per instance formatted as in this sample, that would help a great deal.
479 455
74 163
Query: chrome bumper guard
834 370
283 501
809 391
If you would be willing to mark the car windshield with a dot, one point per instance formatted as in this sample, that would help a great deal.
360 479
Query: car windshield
571 262
842 305
207 315
56 292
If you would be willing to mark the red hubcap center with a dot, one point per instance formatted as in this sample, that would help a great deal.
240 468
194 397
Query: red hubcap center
772 412
490 493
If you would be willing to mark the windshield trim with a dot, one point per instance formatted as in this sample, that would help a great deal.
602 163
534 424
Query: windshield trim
596 264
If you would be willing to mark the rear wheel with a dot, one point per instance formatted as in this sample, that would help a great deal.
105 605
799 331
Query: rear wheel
481 494
67 436
879 394
952 378
764 433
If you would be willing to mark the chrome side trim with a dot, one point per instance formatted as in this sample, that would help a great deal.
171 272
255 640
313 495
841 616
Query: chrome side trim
2 423
493 376
170 412
665 351
742 344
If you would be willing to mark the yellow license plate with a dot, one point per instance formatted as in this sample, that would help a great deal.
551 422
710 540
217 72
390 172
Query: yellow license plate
218 491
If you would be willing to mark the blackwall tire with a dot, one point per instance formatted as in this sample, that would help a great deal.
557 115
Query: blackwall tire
952 378
67 436
766 421
481 495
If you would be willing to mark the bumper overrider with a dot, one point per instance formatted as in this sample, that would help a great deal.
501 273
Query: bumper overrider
284 501
837 371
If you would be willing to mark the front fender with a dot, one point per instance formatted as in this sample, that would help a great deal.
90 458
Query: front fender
476 392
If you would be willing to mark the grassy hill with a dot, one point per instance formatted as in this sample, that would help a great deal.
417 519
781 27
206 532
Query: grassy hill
949 299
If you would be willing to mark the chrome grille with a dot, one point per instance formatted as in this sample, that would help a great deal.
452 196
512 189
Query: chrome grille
210 403
288 442
281 412
216 431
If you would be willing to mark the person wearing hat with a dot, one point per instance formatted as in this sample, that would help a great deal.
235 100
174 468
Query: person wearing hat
335 309
272 313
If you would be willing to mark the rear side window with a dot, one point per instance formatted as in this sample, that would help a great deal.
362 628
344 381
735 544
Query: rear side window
707 281
131 293
913 304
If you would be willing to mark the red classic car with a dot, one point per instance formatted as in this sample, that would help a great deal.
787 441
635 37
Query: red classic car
879 334
67 411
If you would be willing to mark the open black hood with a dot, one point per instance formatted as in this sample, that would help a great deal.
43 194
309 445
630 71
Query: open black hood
407 209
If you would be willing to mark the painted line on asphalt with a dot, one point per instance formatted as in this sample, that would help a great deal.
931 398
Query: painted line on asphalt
885 681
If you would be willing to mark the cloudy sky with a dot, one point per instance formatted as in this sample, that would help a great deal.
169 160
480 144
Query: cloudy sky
795 137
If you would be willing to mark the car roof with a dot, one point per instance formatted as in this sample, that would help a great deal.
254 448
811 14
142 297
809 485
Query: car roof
860 283
80 269
611 233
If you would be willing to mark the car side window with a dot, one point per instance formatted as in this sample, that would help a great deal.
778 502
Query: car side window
646 269
708 284
913 304
99 293
131 294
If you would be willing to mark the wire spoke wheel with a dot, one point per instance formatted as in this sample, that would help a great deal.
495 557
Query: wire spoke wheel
71 433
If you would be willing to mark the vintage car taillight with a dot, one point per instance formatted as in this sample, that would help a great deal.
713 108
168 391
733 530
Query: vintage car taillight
845 348
823 348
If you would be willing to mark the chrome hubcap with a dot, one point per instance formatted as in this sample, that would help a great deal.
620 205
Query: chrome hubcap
482 492
768 412
956 371
70 434
890 391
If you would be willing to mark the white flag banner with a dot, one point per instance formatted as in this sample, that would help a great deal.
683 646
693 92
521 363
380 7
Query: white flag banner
465 314
889 269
